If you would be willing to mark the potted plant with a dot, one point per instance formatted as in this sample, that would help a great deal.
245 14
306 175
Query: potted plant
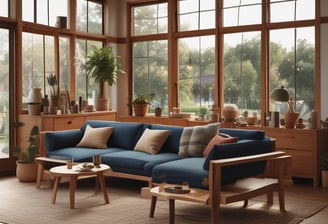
54 92
324 170
140 105
102 65
26 166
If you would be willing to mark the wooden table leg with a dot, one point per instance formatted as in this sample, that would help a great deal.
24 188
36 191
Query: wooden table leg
39 174
152 206
72 187
171 210
54 190
101 180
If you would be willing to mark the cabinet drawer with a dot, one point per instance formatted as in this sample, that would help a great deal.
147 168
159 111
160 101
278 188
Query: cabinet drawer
66 123
302 162
108 117
294 140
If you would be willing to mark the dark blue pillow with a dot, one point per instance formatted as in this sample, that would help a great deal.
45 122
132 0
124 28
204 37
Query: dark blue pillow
172 142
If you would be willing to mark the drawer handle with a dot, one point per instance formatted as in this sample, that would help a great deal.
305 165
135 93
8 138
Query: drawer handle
69 122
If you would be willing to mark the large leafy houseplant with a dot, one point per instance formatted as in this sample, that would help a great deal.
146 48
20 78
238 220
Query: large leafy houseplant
102 65
26 166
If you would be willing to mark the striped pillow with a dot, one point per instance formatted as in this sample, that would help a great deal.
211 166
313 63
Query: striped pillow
194 139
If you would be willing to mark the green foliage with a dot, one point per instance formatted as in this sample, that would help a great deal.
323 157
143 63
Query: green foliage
32 150
142 99
102 65
52 81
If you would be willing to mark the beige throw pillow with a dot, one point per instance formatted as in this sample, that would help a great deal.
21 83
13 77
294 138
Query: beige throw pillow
151 141
95 137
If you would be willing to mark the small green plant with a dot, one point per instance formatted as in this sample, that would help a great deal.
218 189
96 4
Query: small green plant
32 151
142 99
324 162
52 81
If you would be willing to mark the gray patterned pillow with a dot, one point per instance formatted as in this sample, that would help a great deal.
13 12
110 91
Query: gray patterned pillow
194 139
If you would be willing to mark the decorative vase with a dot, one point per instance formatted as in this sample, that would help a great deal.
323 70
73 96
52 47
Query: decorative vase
101 104
140 110
158 111
230 112
34 108
26 172
291 116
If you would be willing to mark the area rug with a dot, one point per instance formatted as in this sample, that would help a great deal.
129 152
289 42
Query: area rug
23 203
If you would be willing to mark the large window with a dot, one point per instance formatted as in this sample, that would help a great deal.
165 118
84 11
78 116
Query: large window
242 70
44 11
4 93
150 76
89 16
292 63
150 19
196 14
86 88
38 62
196 73
4 8
238 35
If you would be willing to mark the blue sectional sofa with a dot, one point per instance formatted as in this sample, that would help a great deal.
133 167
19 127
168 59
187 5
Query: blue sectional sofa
166 165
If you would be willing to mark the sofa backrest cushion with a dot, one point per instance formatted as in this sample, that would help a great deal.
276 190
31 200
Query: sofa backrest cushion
172 142
68 138
244 133
194 139
243 148
125 134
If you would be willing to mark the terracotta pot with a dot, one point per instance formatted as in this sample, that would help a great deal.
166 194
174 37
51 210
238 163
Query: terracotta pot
101 104
34 108
140 110
291 119
324 176
26 172
158 111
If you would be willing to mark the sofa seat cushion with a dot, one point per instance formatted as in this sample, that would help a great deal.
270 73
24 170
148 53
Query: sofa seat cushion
188 170
125 134
79 154
135 162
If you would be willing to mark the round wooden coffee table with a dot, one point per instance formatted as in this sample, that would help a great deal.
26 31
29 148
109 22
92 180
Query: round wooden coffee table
61 171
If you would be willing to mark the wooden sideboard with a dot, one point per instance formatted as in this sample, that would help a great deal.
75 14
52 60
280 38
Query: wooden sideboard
306 146
56 123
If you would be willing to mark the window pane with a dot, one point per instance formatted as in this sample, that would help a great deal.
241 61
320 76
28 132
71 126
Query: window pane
150 19
196 73
89 17
64 63
4 93
150 76
57 8
196 15
38 62
28 10
242 71
290 49
237 13
4 8
84 87
291 10
42 12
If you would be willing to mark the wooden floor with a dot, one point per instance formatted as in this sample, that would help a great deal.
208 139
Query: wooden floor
318 218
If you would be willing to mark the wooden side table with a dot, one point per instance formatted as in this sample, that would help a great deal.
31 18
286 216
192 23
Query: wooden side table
195 195
61 171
